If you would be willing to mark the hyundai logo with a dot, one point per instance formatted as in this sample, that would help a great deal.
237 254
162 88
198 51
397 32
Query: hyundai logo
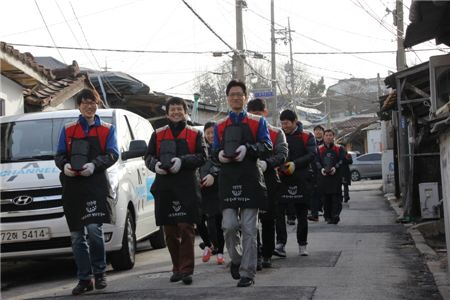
22 200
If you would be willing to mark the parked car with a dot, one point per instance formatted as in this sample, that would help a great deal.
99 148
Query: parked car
366 166
32 218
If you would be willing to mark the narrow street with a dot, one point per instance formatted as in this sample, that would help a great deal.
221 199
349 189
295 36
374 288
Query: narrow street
366 256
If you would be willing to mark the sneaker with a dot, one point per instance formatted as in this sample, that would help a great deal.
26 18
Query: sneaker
220 259
267 262
206 254
82 287
302 250
245 282
100 281
290 222
259 263
176 277
279 250
187 279
234 270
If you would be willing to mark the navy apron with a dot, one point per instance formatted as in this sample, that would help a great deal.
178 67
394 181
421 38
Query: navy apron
85 199
177 196
210 195
241 184
295 188
330 184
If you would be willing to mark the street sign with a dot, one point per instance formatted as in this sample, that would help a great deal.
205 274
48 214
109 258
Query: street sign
263 94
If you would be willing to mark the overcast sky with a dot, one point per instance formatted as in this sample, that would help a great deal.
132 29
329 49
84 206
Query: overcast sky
320 26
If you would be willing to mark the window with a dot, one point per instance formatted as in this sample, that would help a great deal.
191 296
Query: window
370 157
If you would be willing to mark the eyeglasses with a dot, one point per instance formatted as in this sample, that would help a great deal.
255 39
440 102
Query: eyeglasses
240 95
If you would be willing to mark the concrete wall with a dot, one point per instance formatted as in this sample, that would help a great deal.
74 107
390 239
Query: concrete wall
374 140
387 167
444 143
11 92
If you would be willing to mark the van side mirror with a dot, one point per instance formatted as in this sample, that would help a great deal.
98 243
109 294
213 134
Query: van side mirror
137 149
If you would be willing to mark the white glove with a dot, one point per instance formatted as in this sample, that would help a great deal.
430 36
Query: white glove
241 151
323 172
176 165
262 164
208 180
68 170
88 169
333 170
158 170
222 158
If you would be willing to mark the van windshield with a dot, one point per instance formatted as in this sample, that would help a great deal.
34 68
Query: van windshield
32 140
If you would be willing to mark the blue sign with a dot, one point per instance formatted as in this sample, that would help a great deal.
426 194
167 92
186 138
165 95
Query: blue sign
263 94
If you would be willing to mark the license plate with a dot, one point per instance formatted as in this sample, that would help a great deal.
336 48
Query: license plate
25 235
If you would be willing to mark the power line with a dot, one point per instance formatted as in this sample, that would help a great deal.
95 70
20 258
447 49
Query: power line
366 52
84 35
48 30
219 52
120 50
73 33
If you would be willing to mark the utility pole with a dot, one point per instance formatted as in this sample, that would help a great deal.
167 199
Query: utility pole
398 21
274 68
238 57
291 69
402 123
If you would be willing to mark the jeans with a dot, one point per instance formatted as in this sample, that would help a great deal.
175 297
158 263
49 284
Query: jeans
301 211
245 255
89 253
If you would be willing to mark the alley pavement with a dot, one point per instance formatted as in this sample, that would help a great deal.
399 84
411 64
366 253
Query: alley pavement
366 256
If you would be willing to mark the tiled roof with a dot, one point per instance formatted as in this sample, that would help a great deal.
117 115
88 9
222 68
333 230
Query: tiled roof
51 94
27 59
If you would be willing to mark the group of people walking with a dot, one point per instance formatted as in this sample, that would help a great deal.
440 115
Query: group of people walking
221 183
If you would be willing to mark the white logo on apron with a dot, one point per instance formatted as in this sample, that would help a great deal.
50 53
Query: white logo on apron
91 206
176 205
292 190
236 190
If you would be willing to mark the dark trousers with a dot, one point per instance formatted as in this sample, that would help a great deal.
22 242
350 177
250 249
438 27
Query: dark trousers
332 205
203 231
180 242
215 232
268 236
301 212
316 202
346 194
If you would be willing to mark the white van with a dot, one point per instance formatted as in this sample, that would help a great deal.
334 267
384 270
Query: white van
31 215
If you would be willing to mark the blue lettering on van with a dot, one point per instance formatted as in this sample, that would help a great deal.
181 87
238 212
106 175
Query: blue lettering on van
31 168
149 183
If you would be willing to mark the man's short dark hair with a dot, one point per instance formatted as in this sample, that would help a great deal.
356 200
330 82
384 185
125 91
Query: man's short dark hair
329 130
88 94
257 104
319 127
234 83
289 115
209 125
176 101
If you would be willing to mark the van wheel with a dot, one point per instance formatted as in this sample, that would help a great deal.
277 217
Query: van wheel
355 175
124 259
157 240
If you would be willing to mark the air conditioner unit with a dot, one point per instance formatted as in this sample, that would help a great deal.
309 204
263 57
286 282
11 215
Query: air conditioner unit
439 83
